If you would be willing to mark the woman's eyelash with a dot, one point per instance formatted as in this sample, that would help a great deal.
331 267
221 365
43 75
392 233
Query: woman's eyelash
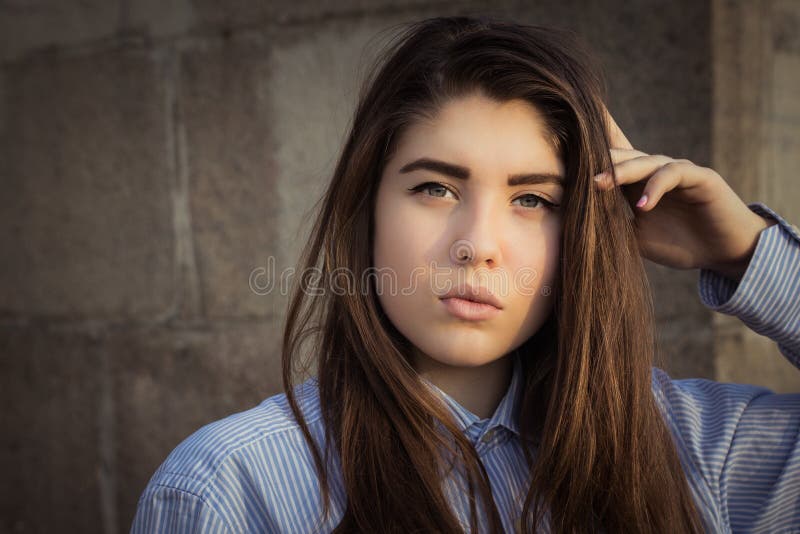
430 185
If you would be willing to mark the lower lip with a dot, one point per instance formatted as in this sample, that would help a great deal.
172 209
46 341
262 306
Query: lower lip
469 310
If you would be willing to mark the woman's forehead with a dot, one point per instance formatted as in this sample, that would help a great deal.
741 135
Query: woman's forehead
482 134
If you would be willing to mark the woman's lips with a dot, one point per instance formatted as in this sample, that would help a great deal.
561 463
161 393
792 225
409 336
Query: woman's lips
469 310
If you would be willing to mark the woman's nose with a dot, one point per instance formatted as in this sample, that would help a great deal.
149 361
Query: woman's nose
477 240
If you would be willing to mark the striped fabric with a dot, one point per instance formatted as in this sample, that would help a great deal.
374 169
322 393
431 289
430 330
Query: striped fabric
252 471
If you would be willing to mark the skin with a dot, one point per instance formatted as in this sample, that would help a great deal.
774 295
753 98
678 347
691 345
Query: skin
508 230
691 219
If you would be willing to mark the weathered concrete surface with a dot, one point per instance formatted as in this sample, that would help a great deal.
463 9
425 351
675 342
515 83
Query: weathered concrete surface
158 153
86 213
32 26
168 382
54 393
756 141
227 124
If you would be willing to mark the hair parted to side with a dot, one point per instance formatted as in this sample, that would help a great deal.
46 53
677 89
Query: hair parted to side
600 455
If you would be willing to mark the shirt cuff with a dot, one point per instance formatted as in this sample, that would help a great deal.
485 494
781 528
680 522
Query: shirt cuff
767 298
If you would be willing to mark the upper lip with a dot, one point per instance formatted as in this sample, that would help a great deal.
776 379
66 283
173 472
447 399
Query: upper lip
476 294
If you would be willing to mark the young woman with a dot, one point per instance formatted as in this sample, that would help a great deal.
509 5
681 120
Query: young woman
531 403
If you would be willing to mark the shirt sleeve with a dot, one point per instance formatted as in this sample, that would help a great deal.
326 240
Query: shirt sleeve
767 298
168 509
739 443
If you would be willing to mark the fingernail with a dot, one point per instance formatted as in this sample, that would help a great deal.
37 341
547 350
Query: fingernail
642 201
600 177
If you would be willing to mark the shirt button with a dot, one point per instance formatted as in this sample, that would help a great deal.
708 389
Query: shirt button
488 436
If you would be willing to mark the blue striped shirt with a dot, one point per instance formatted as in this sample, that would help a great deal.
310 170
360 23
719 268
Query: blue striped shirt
252 471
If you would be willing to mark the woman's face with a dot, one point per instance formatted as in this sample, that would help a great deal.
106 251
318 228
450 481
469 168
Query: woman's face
511 237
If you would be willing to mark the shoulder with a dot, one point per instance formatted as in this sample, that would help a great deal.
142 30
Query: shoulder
700 405
241 441
709 419
739 447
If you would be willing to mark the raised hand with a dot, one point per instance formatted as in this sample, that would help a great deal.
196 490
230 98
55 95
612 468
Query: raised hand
686 216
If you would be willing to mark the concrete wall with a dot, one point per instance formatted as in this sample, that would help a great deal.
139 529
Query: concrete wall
153 154
756 146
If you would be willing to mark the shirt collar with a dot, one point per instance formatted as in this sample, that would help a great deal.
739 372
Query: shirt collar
506 414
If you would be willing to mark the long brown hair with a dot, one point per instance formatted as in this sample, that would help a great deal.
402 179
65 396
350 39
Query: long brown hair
599 452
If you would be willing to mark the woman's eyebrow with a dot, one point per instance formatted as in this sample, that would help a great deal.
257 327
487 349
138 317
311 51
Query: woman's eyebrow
462 173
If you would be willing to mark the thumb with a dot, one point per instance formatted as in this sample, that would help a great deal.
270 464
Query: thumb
615 135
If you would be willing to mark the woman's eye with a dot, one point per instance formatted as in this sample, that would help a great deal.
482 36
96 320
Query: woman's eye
436 189
534 200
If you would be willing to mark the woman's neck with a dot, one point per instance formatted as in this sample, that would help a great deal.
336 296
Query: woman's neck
478 389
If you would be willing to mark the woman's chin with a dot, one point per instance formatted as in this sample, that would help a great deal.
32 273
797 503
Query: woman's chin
463 356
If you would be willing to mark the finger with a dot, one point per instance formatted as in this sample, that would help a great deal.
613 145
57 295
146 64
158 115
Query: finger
615 135
604 179
681 174
664 180
634 169
618 155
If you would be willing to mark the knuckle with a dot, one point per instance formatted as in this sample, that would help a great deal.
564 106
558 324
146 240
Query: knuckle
709 171
674 166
